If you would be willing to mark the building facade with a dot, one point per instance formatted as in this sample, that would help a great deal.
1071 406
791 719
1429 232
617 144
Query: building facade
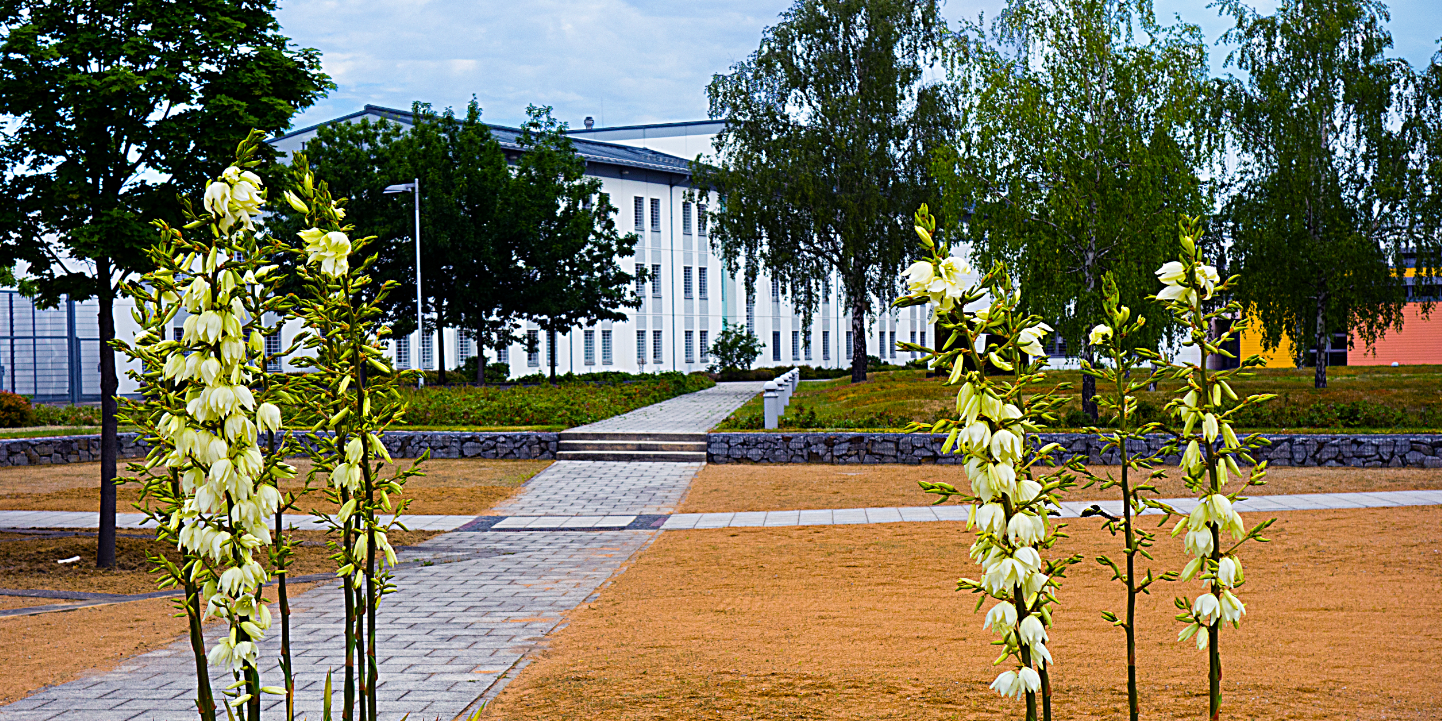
645 169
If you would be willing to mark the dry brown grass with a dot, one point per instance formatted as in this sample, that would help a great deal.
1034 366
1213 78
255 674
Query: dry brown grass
31 562
861 622
449 486
724 488
54 648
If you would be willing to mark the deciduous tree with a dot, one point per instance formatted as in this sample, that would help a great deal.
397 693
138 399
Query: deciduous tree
1334 195
824 153
1079 132
115 108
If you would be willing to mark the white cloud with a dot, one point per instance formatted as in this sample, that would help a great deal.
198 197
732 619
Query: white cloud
621 61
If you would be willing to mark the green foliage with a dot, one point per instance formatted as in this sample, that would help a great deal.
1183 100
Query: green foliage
572 402
570 276
828 130
1337 178
48 415
1078 137
15 411
734 348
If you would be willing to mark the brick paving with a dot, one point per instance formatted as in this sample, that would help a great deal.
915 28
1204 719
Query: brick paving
451 634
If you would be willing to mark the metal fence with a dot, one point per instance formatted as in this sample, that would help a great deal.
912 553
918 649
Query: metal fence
52 356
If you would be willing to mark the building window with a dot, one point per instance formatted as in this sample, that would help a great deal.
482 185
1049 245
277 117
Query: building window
464 347
177 333
656 281
272 351
690 346
775 290
751 315
795 345
503 355
848 345
640 213
806 345
640 280
881 345
776 345
641 347
701 282
656 214
686 217
589 349
826 345
705 348
428 352
893 344
656 354
403 352
533 348
913 340
686 283
701 218
606 348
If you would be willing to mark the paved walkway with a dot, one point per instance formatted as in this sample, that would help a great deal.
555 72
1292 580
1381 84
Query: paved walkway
454 630
691 413
609 496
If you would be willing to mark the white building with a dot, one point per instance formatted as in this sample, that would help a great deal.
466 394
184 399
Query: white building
645 169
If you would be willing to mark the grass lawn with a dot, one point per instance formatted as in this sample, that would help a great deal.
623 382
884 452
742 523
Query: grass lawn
862 622
1357 398
464 486
760 487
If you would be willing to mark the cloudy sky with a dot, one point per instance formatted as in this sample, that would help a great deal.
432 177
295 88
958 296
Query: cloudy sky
621 61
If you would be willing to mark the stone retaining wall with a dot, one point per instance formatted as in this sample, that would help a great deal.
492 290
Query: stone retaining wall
1362 450
401 444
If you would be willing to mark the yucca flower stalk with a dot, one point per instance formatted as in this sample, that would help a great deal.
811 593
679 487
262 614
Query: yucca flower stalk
1213 453
355 392
1119 375
204 411
1010 498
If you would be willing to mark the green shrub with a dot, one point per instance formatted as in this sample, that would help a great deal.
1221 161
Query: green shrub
46 415
15 411
573 401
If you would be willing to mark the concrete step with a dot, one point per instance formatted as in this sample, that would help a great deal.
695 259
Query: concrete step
669 446
635 436
634 456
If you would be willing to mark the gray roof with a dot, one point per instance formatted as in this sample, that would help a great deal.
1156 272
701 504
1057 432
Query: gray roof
591 150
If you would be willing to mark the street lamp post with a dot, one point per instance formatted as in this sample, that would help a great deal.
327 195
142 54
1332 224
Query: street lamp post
414 188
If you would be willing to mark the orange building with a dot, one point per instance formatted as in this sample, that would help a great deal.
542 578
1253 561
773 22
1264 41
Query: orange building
1418 343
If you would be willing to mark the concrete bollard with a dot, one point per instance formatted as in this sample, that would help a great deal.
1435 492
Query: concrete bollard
771 404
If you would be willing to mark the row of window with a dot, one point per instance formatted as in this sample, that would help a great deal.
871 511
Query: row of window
588 347
656 215
693 282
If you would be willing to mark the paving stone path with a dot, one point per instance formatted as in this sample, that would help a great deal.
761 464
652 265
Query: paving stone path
694 412
471 606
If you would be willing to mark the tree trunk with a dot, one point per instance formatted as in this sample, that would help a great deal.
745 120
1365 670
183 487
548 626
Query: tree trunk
858 337
109 429
1089 392
1324 341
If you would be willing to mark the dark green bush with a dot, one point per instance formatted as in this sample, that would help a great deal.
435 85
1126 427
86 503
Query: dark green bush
15 411
67 415
573 401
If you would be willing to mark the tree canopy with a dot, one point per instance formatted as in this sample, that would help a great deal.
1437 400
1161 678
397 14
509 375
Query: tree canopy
116 109
1337 176
502 239
824 154
1080 127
